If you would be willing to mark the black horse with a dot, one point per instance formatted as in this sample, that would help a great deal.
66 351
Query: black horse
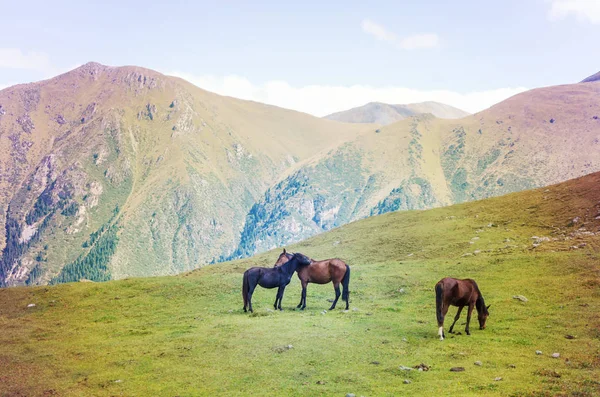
270 278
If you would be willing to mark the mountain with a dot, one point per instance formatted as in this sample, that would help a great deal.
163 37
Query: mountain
592 78
112 172
533 139
107 172
384 114
187 334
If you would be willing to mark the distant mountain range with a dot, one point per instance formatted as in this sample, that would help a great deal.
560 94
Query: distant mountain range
384 114
592 78
109 172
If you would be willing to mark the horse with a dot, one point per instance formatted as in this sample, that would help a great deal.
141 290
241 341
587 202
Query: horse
270 278
335 271
460 293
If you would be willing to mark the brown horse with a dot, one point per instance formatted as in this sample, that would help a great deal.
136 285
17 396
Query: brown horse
460 293
322 272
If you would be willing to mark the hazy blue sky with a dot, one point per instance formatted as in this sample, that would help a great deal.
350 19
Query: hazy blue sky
315 56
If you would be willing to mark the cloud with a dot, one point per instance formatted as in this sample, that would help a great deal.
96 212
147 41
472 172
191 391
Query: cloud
377 31
416 41
428 40
14 58
320 100
582 9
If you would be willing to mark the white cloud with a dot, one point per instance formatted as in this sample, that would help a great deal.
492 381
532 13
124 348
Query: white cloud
413 42
14 58
581 9
322 100
428 40
378 31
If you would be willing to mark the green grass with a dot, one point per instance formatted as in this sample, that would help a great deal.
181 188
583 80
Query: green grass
187 335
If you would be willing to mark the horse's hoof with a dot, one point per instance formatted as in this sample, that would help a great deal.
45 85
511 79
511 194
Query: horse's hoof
441 338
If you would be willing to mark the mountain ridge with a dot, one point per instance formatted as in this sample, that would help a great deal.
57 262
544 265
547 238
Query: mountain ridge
532 139
139 139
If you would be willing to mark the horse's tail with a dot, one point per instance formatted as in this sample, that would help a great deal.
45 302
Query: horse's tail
346 284
439 303
245 289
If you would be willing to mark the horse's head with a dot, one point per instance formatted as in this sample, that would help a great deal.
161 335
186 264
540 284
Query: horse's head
283 258
303 260
482 316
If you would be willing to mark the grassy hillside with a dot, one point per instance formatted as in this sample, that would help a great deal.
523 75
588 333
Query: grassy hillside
187 335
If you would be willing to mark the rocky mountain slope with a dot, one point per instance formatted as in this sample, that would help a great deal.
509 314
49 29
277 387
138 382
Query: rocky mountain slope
111 172
534 139
384 114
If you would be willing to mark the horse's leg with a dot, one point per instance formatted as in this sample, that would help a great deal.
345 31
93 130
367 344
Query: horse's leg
280 292
456 318
303 299
251 288
336 287
346 285
277 298
441 332
471 305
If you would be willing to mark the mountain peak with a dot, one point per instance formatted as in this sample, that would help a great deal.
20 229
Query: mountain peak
594 77
383 113
93 69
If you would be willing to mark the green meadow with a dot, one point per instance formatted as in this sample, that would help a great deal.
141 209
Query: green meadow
187 335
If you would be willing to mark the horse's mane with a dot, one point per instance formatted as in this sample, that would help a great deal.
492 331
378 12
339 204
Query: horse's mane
476 288
479 303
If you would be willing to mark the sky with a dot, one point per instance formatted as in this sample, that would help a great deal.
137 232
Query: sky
315 56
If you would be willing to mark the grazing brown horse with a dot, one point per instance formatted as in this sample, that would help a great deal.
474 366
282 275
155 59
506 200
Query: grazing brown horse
460 293
322 272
